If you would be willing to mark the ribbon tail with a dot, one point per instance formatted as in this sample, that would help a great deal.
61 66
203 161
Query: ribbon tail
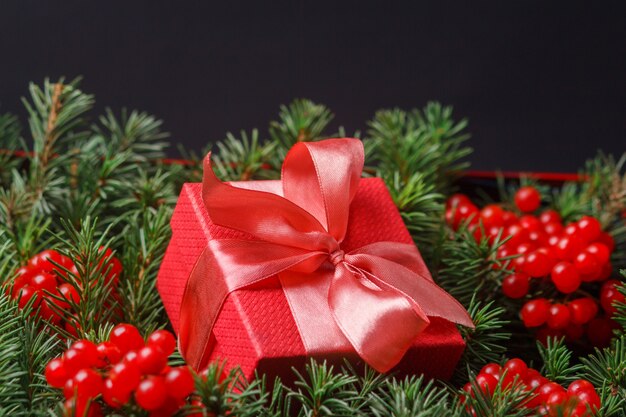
380 324
414 284
223 267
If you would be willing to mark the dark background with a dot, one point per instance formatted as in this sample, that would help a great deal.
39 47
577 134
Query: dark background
542 83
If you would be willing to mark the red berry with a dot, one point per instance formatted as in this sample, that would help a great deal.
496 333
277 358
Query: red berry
534 379
587 263
547 389
568 247
492 216
527 199
47 313
41 261
579 385
461 213
151 360
179 382
492 369
111 267
22 278
457 199
535 312
69 293
508 218
113 395
556 398
151 393
607 240
558 317
126 337
571 229
108 353
56 374
537 264
125 376
530 223
515 285
487 383
537 237
589 397
582 310
518 235
44 281
589 228
553 229
600 251
75 360
24 296
550 216
609 295
87 383
516 368
89 349
565 277
164 340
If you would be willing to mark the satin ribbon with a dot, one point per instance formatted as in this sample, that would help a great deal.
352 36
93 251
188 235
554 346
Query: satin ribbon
374 300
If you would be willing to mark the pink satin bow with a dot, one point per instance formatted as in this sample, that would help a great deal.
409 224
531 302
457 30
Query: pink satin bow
376 298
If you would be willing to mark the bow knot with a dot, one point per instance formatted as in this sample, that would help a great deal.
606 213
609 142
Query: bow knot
379 314
337 257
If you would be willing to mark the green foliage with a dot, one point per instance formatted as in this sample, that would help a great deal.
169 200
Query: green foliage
26 348
245 159
300 121
113 171
485 343
412 396
606 368
557 361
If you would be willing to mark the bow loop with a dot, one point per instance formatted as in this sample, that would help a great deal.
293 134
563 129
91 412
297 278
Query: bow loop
323 192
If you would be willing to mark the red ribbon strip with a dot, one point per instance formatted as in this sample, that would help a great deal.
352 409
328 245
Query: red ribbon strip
375 299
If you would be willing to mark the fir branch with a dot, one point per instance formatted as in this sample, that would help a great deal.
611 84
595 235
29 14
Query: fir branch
413 396
300 121
245 158
557 361
486 342
138 134
570 201
470 268
145 239
503 402
86 247
229 394
427 142
26 348
421 208
606 368
323 392
55 116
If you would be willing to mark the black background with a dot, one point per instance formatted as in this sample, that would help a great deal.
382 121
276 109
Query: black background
542 83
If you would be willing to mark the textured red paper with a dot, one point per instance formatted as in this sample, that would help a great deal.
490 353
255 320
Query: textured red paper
255 329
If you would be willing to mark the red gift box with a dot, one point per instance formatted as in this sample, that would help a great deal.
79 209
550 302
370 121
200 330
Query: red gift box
255 329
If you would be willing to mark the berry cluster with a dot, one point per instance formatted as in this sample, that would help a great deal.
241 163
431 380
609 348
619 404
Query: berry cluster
44 283
547 254
123 367
546 397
